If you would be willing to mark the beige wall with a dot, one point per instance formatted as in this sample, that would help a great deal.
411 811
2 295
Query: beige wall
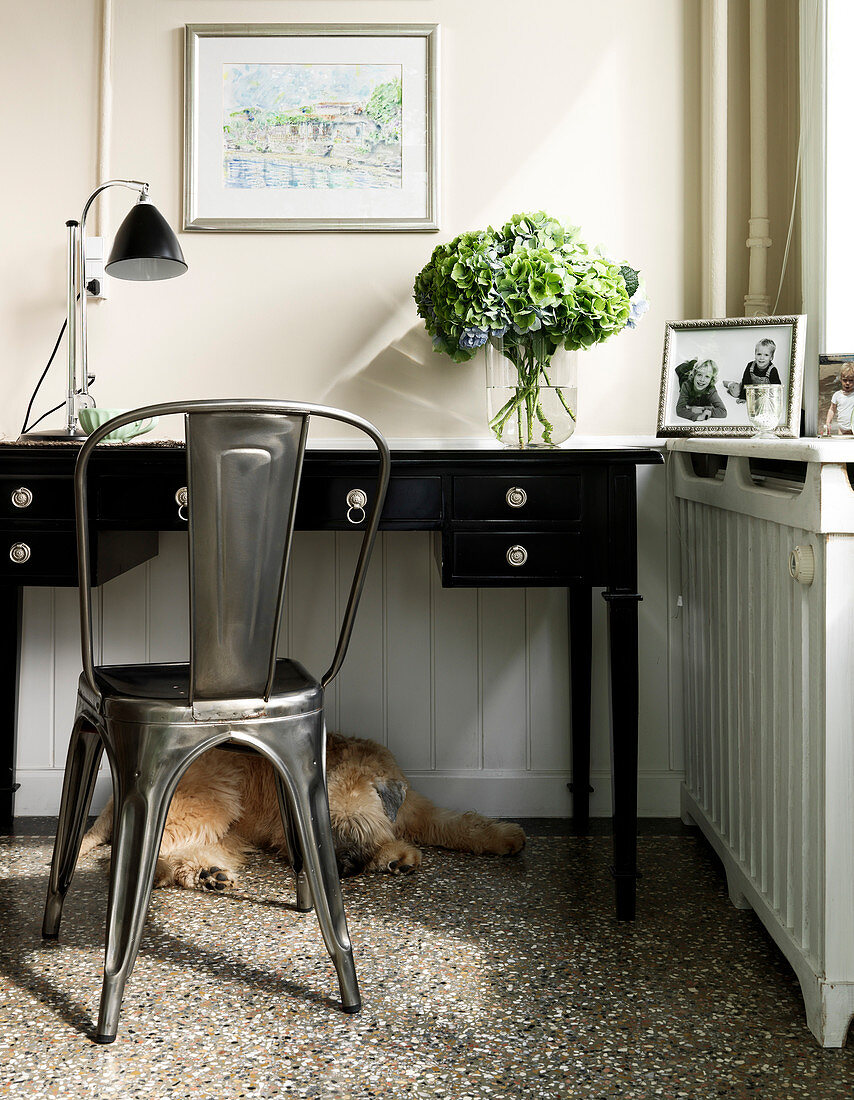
590 111
587 110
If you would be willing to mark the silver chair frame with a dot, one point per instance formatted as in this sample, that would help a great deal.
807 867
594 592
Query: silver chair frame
155 720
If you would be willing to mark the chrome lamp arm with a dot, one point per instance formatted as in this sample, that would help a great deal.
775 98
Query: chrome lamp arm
144 248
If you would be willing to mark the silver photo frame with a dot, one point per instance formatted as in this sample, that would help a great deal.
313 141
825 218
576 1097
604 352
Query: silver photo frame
292 127
726 350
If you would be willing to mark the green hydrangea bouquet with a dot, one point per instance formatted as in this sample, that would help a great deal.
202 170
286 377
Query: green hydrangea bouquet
531 288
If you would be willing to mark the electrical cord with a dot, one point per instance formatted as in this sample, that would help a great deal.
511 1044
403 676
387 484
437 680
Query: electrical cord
27 427
24 428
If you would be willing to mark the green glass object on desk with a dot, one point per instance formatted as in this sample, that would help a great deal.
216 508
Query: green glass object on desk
92 418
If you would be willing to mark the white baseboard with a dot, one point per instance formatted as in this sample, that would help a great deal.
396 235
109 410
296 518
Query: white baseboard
522 795
41 789
528 795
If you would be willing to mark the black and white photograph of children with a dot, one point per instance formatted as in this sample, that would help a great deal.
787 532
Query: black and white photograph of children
709 364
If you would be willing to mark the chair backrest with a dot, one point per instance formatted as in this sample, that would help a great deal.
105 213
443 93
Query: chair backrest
244 462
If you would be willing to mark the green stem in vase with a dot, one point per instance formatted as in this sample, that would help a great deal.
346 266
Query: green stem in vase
530 399
525 396
513 404
525 402
559 393
548 427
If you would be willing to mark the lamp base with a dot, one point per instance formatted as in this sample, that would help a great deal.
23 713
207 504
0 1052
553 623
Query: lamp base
56 434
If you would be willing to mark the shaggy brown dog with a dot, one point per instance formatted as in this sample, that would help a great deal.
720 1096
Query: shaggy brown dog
226 803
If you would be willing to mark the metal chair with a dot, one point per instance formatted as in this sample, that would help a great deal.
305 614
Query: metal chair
244 460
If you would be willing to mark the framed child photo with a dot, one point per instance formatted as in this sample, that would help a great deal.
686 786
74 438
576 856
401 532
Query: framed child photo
709 364
303 126
835 394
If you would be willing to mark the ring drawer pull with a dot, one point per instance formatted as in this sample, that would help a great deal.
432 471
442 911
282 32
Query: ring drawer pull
182 498
516 497
356 501
516 555
19 552
22 498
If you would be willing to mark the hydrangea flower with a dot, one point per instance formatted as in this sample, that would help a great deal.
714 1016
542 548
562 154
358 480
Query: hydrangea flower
529 288
533 276
473 337
638 305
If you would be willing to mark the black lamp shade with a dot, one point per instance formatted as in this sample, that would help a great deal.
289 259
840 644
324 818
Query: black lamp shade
145 248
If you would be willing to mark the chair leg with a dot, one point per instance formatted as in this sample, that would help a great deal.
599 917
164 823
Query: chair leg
295 855
78 785
299 758
142 792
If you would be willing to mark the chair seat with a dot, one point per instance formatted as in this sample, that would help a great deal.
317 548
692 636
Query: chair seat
158 692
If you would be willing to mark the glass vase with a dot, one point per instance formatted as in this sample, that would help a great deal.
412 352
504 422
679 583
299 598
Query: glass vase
530 402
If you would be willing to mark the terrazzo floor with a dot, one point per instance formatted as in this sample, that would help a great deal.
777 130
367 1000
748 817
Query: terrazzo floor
481 977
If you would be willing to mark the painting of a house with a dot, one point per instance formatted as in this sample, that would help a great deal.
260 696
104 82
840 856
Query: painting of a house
312 126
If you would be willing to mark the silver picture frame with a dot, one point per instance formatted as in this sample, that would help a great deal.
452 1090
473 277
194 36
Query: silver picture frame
258 167
729 345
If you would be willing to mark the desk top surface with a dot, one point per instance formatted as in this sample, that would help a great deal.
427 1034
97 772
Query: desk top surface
581 449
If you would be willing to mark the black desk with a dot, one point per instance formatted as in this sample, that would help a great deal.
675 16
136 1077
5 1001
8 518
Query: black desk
563 518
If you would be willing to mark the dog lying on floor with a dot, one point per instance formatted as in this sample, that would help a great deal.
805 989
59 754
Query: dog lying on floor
226 803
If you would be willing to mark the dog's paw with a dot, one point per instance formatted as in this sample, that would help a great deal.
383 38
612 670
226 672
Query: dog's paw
407 862
509 839
396 859
188 875
216 878
485 835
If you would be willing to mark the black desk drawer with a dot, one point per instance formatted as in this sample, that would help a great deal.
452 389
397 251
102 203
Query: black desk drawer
149 502
416 501
516 557
145 501
517 499
32 556
27 497
47 556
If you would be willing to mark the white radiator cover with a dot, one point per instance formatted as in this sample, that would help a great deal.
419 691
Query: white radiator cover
469 688
768 696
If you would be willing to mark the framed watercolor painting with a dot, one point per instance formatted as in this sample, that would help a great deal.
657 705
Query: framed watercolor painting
708 364
293 127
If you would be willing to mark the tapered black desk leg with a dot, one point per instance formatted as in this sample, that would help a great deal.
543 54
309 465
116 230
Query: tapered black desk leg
10 649
579 604
623 662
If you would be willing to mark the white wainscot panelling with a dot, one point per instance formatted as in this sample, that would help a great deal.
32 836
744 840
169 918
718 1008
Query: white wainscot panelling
469 688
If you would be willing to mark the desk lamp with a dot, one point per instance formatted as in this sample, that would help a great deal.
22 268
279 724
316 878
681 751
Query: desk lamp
145 248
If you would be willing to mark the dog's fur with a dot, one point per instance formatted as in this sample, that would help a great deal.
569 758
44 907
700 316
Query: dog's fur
226 803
